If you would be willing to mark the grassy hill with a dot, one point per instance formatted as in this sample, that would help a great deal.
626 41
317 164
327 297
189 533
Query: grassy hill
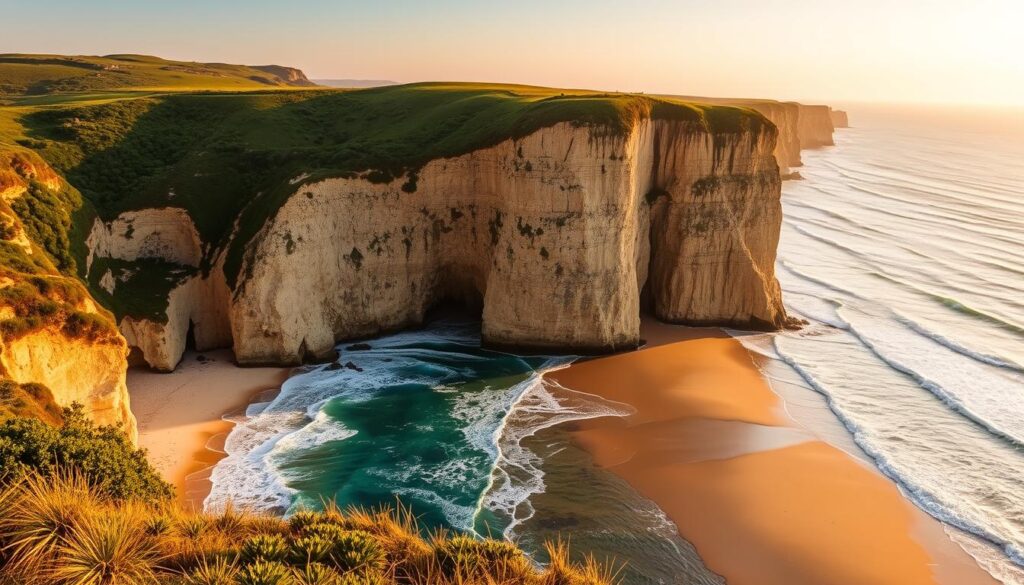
33 75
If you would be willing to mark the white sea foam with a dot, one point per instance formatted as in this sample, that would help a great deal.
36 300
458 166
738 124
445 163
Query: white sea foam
517 473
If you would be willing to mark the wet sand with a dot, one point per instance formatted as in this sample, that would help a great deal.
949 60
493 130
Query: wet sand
764 501
181 415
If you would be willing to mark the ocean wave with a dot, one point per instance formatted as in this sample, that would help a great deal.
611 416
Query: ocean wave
965 309
958 347
322 430
949 398
920 495
516 474
822 283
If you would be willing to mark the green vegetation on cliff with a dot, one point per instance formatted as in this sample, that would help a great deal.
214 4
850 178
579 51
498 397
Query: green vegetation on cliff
33 401
32 75
231 156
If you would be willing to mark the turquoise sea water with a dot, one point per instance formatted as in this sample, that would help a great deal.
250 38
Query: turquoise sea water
470 439
412 415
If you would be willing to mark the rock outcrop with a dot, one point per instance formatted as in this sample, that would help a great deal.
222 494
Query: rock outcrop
815 126
75 370
840 119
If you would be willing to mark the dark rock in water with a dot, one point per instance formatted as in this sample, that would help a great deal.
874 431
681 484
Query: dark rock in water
359 347
386 359
335 366
352 366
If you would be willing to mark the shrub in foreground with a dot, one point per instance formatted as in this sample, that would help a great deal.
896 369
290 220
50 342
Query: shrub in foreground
65 530
102 456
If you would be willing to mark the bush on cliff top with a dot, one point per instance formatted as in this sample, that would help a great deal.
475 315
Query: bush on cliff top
60 529
102 456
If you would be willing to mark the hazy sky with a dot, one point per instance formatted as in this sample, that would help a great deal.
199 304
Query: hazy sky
952 51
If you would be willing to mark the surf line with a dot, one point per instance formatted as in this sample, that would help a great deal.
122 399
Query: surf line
507 496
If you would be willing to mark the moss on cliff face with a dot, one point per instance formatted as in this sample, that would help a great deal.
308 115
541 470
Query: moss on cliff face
139 288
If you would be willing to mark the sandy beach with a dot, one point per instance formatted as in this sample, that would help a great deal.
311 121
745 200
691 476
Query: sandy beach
181 415
763 500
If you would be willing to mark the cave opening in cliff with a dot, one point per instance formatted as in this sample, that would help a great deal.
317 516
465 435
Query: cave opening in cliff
190 336
456 295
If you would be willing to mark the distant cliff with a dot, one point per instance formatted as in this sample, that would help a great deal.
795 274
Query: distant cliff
840 119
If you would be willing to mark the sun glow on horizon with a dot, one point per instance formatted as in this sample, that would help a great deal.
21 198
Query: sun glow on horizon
944 51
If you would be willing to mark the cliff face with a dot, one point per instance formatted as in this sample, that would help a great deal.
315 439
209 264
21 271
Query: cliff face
556 236
51 331
552 234
75 370
166 233
840 119
815 126
786 117
198 302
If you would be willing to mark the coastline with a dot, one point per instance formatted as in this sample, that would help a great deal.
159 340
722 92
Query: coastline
763 499
183 416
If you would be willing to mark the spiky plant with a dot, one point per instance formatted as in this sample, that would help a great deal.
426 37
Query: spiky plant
157 525
317 574
357 550
230 521
458 555
562 571
309 549
193 526
302 519
107 548
265 573
328 530
264 547
265 524
41 513
218 571
363 578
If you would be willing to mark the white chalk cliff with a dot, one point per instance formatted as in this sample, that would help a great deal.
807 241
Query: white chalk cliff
556 236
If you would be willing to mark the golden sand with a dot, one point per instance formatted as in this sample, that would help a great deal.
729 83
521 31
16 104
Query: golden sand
181 415
763 501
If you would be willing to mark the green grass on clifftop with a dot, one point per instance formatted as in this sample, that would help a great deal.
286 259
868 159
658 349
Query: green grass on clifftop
33 75
228 156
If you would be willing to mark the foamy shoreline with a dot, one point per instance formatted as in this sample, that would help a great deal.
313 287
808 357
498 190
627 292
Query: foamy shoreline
182 415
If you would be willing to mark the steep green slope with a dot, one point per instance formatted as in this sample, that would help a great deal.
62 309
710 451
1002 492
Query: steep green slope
32 75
